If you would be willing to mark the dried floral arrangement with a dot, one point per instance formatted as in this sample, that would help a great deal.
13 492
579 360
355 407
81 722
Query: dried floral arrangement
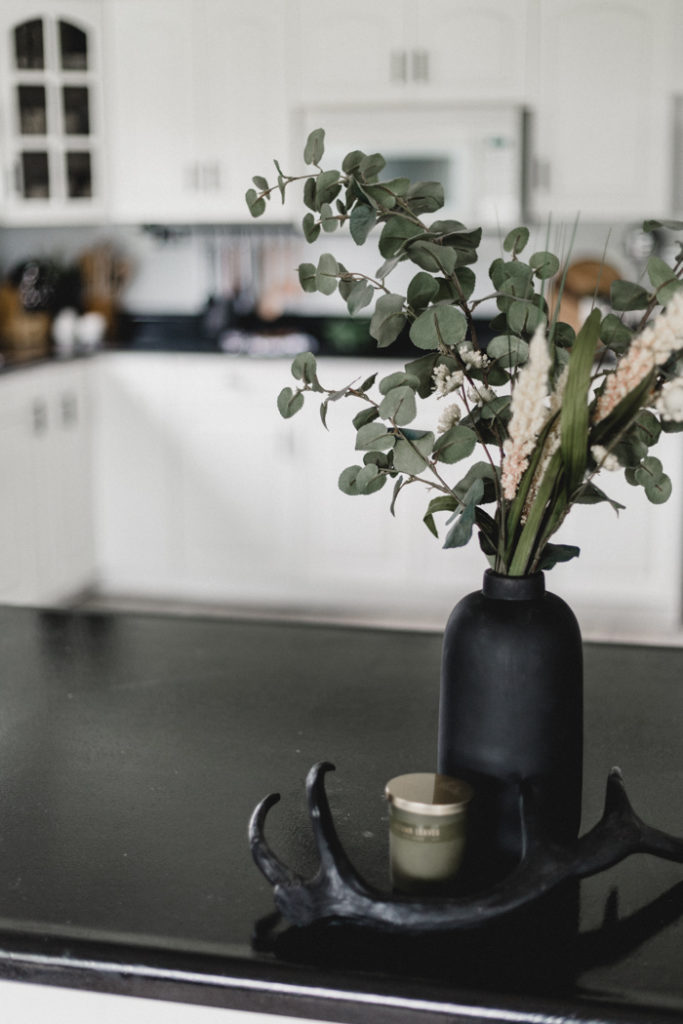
548 408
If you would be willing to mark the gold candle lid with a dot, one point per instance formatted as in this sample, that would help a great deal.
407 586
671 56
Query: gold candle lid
428 793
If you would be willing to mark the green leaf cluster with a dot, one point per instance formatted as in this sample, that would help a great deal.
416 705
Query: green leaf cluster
436 314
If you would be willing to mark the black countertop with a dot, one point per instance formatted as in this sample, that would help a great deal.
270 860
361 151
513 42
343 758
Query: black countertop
133 749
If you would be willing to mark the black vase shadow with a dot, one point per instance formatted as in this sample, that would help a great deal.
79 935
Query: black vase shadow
538 948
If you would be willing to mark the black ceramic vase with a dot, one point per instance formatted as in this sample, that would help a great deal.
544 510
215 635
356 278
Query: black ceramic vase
511 712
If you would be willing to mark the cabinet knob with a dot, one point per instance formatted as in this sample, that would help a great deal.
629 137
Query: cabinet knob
420 62
398 66
69 410
39 417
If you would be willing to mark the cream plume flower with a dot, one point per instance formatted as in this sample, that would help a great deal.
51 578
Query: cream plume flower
649 349
529 413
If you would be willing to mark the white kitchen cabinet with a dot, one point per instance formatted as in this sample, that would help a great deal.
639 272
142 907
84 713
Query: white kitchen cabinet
193 496
195 106
450 50
46 535
603 133
203 493
52 132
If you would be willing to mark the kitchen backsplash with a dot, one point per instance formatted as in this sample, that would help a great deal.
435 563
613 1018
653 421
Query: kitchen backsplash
177 270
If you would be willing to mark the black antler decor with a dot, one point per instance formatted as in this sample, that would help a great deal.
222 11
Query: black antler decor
338 892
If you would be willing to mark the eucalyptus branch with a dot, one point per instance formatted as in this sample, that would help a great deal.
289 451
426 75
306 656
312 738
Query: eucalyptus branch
440 313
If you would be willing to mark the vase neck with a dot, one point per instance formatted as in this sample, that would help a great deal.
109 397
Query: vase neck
513 588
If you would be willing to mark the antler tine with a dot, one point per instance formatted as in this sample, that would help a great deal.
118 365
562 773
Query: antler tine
620 832
275 871
334 861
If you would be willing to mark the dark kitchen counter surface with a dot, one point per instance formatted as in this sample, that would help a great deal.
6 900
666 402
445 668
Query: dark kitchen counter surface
133 749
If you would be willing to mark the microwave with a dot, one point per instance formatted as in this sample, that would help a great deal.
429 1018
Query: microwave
477 152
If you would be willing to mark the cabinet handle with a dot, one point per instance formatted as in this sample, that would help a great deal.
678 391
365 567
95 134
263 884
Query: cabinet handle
541 174
18 178
69 410
39 417
399 66
420 65
192 177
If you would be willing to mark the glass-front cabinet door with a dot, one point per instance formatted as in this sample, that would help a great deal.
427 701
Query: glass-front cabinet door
51 118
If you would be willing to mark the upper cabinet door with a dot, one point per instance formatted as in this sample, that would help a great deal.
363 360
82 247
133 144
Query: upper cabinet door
407 50
52 142
604 128
196 102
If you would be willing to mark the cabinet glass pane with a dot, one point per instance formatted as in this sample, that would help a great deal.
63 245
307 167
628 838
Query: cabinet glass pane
32 110
76 110
73 47
35 176
28 45
78 176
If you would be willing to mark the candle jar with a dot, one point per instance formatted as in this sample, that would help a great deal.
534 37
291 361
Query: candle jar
427 824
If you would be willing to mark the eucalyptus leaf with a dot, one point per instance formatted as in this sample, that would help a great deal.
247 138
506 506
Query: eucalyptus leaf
397 489
256 204
438 325
425 197
289 402
372 165
395 234
305 368
554 553
423 369
483 471
614 334
411 456
315 146
365 416
326 274
516 240
435 258
361 222
524 317
461 530
457 443
465 282
647 428
662 278
374 437
260 182
650 475
352 161
360 296
327 187
311 228
624 295
399 405
508 350
544 264
308 277
387 267
498 408
328 218
590 494
397 380
309 194
369 479
347 480
388 320
421 290
443 503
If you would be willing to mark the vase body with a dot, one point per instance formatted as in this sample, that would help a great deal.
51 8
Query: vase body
511 713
